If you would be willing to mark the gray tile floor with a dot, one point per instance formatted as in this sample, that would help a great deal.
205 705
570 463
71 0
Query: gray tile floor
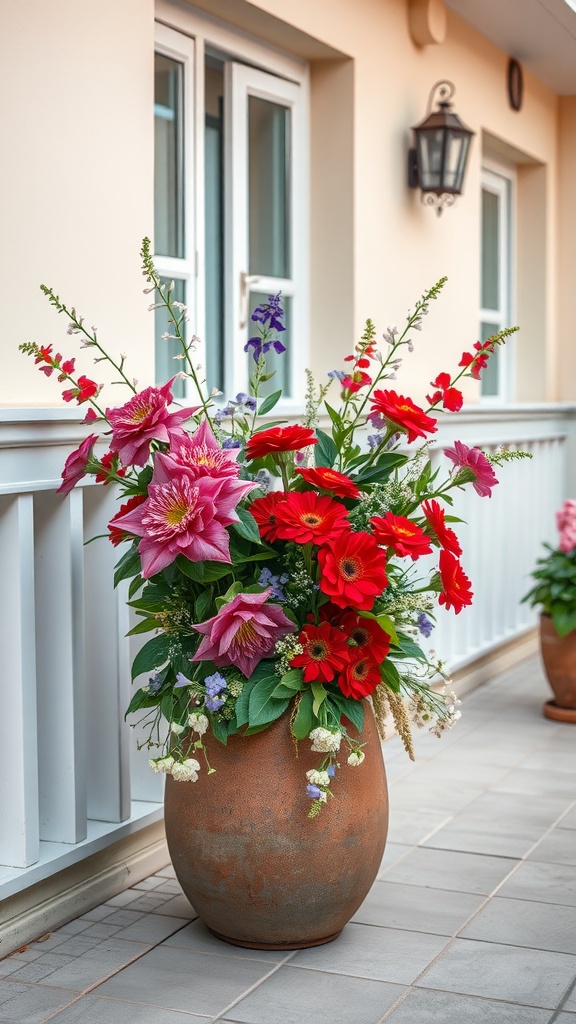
472 918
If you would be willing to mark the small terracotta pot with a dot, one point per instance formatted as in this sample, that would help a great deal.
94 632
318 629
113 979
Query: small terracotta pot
559 658
258 871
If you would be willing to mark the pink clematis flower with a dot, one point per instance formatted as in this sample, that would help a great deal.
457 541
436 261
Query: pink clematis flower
243 632
482 476
143 419
566 523
202 455
183 515
75 465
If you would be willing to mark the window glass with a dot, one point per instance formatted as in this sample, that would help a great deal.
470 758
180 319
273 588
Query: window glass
214 223
268 187
490 250
168 157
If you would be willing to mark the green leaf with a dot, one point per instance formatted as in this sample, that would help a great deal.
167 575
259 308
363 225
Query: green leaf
202 605
202 572
153 655
219 729
390 675
145 626
319 694
243 701
304 720
269 403
247 527
382 469
353 710
385 623
128 566
407 648
293 679
140 700
326 451
135 586
263 707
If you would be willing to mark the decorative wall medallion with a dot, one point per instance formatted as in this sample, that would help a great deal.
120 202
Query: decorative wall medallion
515 84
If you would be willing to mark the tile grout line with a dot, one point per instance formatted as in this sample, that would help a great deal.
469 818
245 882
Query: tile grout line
252 988
556 1013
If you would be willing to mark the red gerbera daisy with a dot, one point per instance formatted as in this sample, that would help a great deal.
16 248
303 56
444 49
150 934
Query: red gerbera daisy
279 439
444 535
360 678
264 512
330 480
369 638
116 534
456 592
353 570
310 517
403 413
401 534
325 653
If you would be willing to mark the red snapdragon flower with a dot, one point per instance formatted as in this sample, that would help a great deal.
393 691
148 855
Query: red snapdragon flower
456 587
353 570
264 512
451 398
279 439
443 534
115 534
109 463
330 480
84 390
325 653
309 517
357 379
478 360
403 413
401 534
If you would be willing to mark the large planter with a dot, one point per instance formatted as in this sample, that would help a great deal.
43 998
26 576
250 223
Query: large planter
559 658
258 871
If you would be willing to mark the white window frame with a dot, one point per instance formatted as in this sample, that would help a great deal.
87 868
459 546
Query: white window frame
500 179
187 35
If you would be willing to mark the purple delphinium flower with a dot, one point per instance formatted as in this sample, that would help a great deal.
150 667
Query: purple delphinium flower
313 791
266 579
425 625
155 683
231 442
270 313
331 769
214 703
336 374
214 684
246 400
374 440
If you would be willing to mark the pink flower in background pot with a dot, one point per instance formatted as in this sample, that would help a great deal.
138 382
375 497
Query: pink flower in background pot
566 523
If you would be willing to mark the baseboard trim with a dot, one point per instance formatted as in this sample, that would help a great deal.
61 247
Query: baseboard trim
500 659
76 890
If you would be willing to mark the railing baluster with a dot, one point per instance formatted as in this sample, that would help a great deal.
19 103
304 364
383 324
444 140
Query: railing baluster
59 560
19 840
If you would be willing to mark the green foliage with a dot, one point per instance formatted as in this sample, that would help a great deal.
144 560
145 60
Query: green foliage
554 591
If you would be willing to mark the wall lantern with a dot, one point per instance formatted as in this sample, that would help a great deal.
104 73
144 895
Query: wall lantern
437 163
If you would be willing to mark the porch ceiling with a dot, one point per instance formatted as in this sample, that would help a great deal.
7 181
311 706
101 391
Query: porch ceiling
541 34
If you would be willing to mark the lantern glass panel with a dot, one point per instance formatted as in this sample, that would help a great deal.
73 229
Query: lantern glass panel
456 153
430 149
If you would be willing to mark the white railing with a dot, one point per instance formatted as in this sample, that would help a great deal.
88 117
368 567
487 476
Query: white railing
71 780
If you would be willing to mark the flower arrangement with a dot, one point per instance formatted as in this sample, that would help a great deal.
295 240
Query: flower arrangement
555 574
282 569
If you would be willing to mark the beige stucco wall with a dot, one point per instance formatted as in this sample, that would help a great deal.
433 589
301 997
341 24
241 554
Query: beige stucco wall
80 181
566 362
76 178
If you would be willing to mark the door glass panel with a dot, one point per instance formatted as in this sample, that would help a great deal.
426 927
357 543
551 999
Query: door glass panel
167 348
490 376
279 363
490 298
168 157
268 188
214 223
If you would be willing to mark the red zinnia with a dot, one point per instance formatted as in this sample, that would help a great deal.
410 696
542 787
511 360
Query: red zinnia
264 512
325 653
279 439
446 537
369 638
310 517
403 413
330 480
116 535
360 678
456 592
402 535
353 570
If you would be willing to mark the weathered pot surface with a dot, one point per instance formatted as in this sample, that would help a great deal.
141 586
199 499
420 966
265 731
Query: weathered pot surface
258 871
559 658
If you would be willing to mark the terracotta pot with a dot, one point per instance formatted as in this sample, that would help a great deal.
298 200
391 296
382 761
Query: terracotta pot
559 658
258 871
